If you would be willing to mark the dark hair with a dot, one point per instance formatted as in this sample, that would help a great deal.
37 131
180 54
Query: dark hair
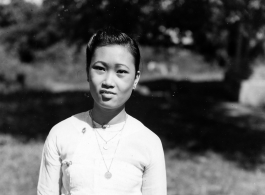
112 36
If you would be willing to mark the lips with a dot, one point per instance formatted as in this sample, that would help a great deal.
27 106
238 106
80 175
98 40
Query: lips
106 92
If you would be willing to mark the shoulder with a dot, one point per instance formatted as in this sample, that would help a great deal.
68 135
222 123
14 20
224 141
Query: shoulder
68 127
145 141
143 132
65 134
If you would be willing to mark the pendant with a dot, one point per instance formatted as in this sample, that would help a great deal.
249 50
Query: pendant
108 175
106 147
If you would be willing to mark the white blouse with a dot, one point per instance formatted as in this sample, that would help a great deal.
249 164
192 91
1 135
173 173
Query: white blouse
75 159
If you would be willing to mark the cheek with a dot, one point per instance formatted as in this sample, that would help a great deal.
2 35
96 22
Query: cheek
93 85
94 78
127 86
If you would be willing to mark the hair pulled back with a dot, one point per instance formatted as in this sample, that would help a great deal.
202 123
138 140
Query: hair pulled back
112 36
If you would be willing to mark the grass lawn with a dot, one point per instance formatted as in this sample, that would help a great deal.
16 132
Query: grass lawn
19 166
206 174
211 175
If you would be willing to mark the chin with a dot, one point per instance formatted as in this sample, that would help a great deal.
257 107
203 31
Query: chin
110 106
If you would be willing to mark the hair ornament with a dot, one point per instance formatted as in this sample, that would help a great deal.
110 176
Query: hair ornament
91 40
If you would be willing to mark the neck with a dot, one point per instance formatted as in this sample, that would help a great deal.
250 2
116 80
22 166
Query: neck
108 116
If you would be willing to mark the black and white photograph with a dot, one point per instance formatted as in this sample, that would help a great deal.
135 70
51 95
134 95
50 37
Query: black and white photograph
132 97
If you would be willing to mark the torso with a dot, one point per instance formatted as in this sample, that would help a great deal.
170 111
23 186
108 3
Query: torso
88 159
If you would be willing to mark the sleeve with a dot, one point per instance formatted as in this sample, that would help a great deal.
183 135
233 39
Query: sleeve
50 170
154 177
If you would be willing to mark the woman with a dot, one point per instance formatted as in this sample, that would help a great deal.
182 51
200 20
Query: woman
105 151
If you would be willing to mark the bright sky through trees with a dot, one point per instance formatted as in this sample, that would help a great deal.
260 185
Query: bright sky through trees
38 2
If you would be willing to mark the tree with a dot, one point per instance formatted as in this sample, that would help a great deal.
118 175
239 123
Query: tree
25 28
79 19
223 30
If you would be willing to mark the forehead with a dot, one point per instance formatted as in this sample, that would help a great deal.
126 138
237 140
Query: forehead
113 54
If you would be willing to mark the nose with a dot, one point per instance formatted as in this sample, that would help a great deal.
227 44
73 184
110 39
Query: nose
108 81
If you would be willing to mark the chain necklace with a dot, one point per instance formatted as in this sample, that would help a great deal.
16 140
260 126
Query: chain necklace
108 174
106 146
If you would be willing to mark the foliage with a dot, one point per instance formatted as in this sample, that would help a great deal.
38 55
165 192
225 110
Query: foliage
16 12
230 32
223 30
25 29
79 19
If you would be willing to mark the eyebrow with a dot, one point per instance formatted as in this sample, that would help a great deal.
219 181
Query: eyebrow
105 64
123 65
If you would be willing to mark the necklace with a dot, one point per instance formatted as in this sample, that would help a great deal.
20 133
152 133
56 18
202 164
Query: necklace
106 146
104 126
108 174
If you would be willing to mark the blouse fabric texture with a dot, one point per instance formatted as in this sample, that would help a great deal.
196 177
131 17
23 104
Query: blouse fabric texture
74 161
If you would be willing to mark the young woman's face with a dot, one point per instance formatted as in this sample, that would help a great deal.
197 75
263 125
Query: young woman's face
112 76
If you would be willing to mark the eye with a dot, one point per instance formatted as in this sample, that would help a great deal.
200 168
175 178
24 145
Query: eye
122 72
99 68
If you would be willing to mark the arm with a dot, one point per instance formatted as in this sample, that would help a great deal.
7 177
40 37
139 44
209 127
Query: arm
154 178
50 170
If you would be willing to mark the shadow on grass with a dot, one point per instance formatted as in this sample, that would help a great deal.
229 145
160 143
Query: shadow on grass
186 115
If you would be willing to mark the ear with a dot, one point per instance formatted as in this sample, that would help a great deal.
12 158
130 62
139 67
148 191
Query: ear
137 78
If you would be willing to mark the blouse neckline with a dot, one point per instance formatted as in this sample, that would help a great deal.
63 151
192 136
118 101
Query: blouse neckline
113 127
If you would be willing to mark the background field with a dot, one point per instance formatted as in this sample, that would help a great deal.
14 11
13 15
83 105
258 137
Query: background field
213 145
